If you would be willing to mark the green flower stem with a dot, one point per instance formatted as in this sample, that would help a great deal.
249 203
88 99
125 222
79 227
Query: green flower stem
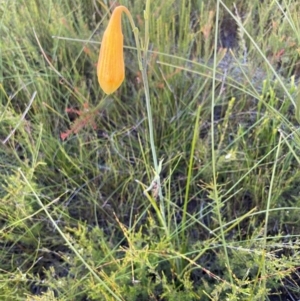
142 59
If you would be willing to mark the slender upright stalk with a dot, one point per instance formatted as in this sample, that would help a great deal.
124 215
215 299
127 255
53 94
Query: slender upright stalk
143 58
216 196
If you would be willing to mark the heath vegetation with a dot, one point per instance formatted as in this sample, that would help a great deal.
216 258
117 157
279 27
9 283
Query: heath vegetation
179 181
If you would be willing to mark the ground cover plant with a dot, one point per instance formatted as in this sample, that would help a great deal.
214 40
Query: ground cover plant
89 213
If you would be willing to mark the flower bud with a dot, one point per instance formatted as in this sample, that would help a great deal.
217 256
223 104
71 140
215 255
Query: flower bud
110 68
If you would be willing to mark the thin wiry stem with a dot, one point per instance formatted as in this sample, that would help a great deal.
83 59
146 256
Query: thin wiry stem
22 117
142 59
215 192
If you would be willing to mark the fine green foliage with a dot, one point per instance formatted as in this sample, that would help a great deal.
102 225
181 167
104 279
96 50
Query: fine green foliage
95 207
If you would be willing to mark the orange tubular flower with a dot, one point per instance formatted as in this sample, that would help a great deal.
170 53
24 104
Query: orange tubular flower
110 68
